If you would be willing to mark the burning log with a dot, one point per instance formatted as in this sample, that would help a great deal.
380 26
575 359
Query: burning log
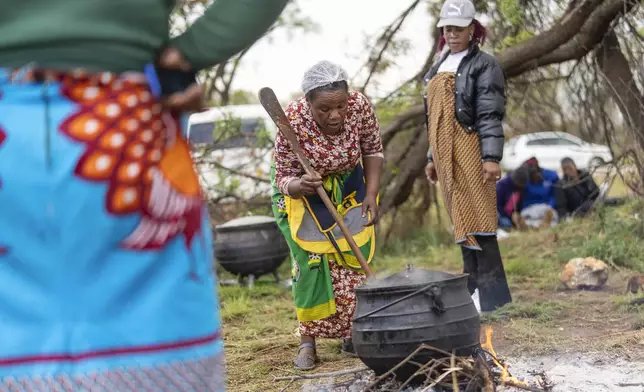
447 372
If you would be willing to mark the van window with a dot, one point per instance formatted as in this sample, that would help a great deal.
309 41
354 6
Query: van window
552 141
202 133
227 133
537 142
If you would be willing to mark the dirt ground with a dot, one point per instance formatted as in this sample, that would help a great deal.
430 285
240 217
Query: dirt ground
590 372
570 321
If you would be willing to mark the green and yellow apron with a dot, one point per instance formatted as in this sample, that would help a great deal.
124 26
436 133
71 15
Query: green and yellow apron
314 239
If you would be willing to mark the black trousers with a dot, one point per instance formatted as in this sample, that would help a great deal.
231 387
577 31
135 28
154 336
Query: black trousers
485 268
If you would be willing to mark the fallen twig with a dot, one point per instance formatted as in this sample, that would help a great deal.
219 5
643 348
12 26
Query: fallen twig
322 375
441 378
513 384
287 386
454 375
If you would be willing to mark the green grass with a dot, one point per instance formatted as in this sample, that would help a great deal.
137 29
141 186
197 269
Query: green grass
238 301
540 312
624 303
617 236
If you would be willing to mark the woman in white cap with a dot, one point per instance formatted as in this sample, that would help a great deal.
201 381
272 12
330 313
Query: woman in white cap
339 133
465 103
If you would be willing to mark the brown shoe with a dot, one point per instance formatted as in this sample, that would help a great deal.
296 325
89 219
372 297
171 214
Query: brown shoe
306 357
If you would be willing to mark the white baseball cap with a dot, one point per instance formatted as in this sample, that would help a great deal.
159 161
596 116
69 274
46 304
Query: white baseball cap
458 13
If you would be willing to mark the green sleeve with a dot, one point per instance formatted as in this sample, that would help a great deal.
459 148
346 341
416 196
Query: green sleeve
226 28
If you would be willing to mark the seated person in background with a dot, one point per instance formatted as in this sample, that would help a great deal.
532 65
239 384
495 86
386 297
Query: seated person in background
508 194
577 191
538 201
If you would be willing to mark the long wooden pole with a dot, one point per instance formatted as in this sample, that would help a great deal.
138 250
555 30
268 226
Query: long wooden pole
272 106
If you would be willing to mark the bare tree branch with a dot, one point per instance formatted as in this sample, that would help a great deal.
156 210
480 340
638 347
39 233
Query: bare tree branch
551 39
385 40
418 77
401 120
589 36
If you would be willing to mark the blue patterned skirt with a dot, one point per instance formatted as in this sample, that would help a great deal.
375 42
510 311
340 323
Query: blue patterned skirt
106 279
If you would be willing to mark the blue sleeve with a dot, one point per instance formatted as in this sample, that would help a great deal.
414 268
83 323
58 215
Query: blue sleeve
502 194
553 177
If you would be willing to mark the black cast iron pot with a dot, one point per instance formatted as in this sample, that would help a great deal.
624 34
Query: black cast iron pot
250 246
395 315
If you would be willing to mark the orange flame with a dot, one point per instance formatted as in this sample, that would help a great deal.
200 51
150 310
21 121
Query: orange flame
506 377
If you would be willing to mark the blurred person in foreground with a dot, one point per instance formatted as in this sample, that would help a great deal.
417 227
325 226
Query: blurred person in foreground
339 134
538 204
465 103
106 280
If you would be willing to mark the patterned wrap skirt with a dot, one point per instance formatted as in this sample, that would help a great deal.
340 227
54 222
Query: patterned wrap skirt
324 279
106 281
470 202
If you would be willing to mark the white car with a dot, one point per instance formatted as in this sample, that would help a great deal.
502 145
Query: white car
232 146
550 148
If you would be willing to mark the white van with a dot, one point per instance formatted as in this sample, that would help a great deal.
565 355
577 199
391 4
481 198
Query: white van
232 147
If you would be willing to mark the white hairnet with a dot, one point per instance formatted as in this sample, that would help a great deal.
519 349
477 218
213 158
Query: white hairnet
321 74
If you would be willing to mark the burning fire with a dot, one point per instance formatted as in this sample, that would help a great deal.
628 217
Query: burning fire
505 378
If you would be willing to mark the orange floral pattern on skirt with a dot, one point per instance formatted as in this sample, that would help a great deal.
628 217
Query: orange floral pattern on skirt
135 147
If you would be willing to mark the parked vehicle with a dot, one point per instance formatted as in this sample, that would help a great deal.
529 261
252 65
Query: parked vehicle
550 148
232 147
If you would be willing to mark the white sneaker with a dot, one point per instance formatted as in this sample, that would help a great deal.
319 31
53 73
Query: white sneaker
502 234
477 302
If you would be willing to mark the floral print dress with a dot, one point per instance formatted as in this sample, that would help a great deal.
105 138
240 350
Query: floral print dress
329 155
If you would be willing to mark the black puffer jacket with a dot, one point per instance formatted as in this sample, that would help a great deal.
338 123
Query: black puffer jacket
576 196
480 99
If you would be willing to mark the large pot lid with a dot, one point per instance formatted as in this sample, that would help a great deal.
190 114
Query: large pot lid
247 221
408 279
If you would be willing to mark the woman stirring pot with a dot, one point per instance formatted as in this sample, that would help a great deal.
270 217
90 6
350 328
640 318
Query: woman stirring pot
339 134
465 104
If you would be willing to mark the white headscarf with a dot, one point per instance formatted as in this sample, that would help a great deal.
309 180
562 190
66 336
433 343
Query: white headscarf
321 74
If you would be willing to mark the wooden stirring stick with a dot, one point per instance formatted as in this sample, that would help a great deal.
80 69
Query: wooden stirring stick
272 106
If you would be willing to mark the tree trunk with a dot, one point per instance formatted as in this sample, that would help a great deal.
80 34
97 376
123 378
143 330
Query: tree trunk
621 84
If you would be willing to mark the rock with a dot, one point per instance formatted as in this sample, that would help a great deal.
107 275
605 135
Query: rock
585 274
